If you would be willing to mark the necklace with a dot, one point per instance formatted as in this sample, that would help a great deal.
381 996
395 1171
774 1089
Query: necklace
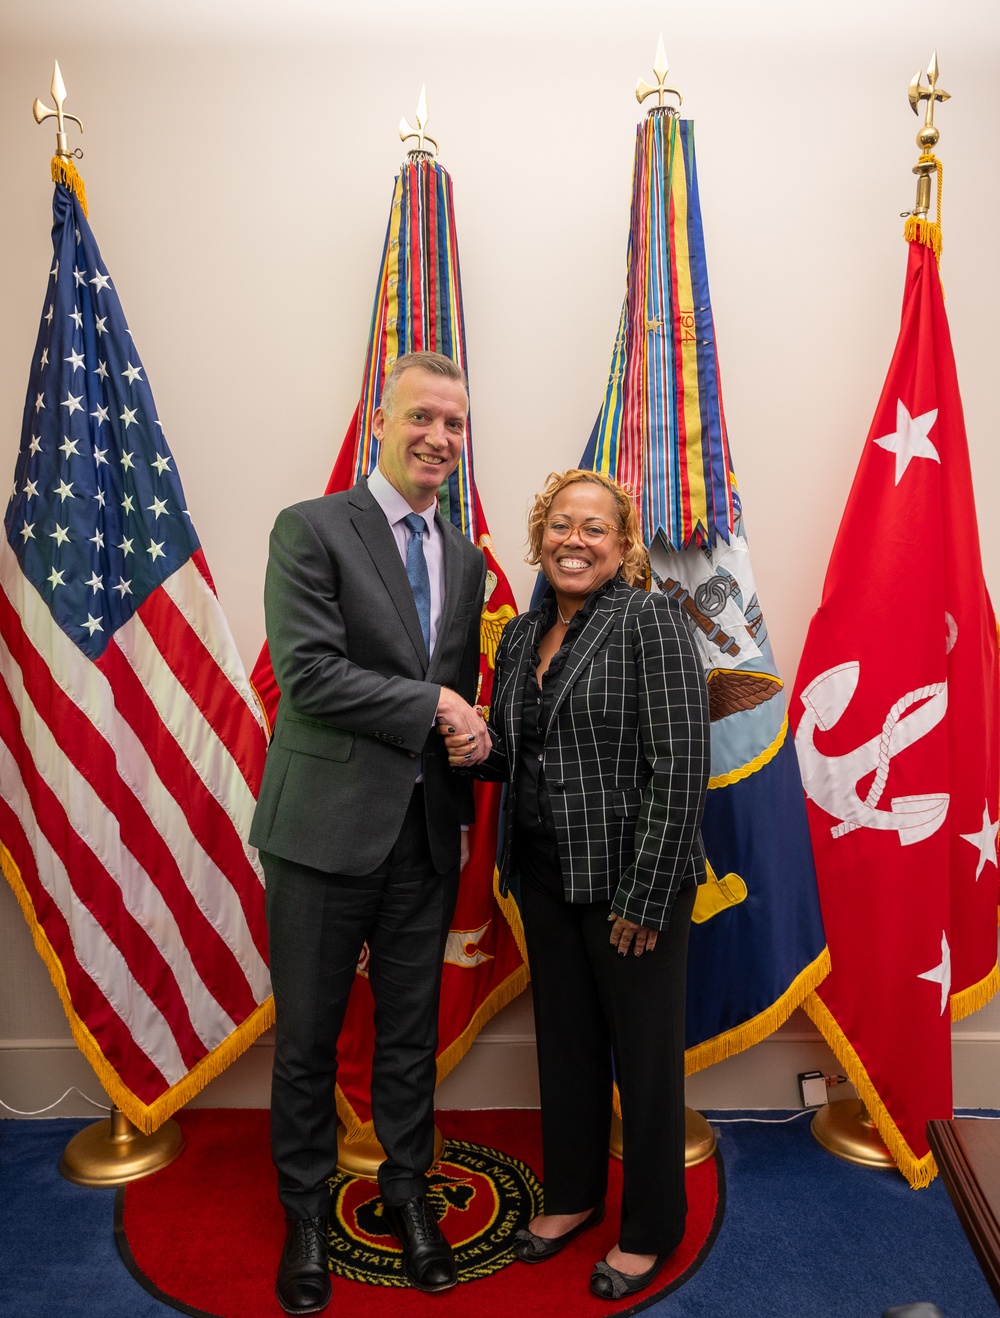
565 621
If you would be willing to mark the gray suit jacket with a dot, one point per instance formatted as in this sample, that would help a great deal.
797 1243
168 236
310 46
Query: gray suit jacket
626 752
358 693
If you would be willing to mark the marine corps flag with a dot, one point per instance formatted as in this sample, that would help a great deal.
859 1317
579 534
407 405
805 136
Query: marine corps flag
131 747
895 711
757 945
418 308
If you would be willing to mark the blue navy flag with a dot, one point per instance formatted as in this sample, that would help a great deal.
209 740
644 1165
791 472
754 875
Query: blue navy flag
757 945
131 747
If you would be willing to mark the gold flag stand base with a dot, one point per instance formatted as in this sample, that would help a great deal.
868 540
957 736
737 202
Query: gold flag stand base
113 1152
847 1131
699 1137
363 1158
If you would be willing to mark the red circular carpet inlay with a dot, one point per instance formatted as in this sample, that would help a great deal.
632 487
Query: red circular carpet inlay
205 1233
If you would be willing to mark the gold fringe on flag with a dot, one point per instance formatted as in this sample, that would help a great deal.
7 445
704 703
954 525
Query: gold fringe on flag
65 172
145 1117
919 1172
360 1132
512 915
755 1030
975 996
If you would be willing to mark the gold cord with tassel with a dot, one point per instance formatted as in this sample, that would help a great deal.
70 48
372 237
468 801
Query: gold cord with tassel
65 172
918 228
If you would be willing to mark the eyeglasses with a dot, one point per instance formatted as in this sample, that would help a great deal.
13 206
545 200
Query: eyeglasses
591 533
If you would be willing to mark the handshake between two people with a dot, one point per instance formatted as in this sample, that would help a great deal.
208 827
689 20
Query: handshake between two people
464 730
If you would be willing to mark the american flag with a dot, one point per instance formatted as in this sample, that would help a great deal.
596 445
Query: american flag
131 746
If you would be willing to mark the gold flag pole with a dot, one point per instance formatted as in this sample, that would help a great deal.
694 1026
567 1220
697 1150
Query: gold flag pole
112 1151
918 227
362 1158
846 1129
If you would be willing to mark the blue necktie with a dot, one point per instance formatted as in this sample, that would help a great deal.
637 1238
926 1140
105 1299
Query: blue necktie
419 577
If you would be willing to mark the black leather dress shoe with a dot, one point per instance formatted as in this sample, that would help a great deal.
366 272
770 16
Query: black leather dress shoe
303 1284
427 1258
530 1248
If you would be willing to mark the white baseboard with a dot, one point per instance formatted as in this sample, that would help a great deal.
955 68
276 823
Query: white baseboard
498 1072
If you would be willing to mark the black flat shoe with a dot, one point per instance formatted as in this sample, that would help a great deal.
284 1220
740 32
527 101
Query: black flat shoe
608 1283
428 1261
303 1284
530 1248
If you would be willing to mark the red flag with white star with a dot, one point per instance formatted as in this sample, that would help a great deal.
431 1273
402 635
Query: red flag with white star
895 711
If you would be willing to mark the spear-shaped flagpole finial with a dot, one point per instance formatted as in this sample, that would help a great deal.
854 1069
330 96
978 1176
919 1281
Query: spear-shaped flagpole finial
661 68
42 112
928 136
406 132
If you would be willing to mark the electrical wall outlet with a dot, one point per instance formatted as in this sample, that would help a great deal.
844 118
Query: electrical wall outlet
812 1088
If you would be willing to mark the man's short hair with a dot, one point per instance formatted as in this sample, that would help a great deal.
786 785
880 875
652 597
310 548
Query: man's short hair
435 363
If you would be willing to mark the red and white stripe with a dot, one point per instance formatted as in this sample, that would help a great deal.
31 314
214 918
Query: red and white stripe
127 788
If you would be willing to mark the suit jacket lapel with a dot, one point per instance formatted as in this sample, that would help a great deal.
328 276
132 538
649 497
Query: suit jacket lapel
371 525
452 588
519 660
591 635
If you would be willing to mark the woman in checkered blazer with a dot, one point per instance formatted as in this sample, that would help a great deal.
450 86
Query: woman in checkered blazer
600 729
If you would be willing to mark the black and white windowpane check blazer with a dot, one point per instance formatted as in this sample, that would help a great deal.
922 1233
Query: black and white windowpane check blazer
626 752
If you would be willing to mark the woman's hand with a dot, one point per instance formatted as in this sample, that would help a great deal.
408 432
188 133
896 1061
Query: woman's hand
469 745
625 934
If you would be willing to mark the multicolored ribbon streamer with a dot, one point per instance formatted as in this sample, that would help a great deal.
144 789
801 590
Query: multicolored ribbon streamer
418 308
661 430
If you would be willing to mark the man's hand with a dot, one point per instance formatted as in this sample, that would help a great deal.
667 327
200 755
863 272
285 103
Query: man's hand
463 729
625 933
465 850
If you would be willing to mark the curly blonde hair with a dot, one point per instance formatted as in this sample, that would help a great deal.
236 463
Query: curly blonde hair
635 561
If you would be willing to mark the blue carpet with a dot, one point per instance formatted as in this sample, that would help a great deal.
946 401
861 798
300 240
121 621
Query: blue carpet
808 1236
59 1257
804 1236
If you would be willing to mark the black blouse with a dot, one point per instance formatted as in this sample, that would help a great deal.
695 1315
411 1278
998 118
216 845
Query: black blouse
532 811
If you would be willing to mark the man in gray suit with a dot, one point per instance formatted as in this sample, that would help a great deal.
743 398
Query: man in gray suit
373 605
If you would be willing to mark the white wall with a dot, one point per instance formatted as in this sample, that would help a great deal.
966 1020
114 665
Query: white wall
239 163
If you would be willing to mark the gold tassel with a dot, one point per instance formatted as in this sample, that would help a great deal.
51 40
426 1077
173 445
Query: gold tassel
919 229
65 172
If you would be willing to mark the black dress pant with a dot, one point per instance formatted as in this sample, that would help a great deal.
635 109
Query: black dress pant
592 1003
317 926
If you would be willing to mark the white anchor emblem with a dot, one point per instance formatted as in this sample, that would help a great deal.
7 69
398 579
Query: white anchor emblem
832 780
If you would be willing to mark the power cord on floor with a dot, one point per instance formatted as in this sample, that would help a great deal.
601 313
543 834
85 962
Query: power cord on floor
104 1104
762 1121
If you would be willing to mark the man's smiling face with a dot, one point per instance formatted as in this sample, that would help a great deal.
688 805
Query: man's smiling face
421 438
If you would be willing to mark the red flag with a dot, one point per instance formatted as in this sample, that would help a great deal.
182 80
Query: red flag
895 710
